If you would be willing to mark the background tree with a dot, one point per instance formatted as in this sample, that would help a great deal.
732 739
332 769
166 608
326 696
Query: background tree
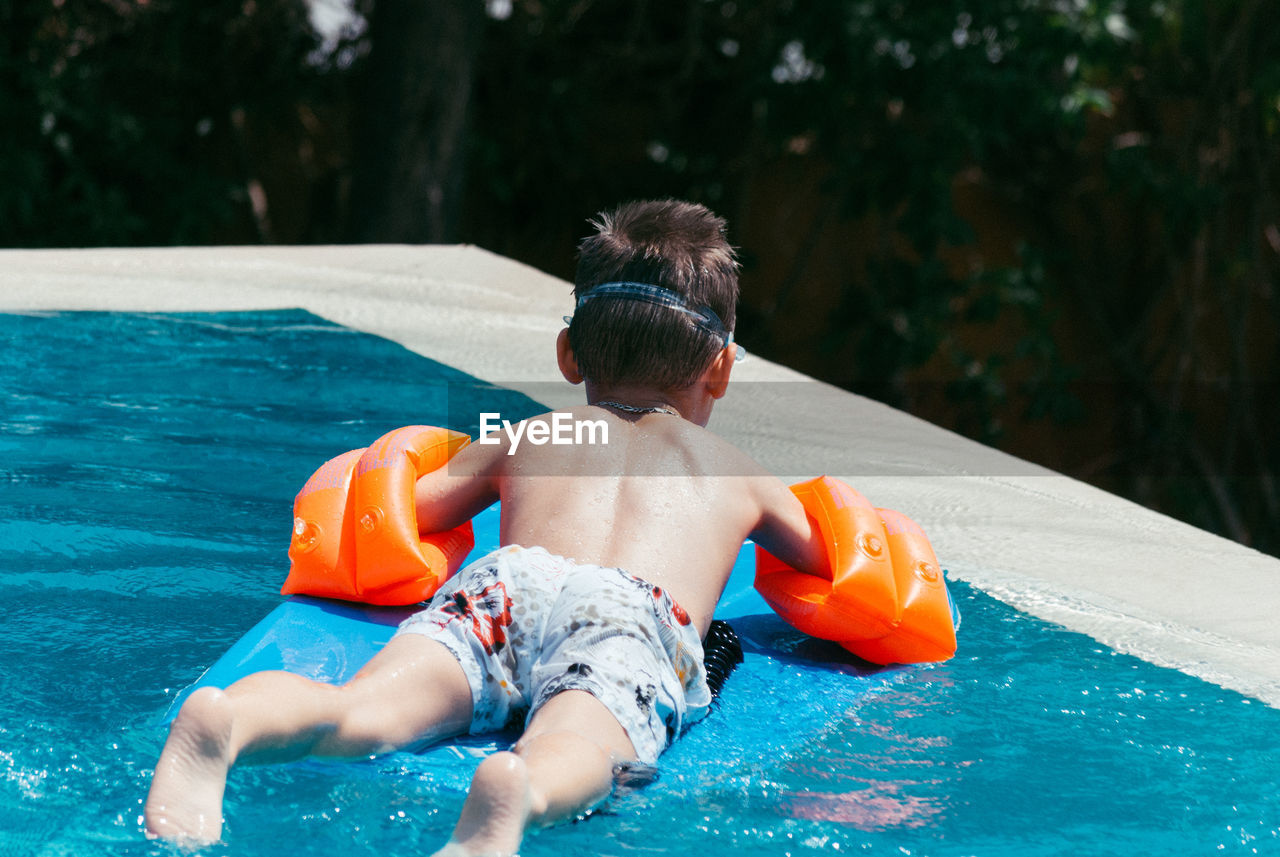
412 120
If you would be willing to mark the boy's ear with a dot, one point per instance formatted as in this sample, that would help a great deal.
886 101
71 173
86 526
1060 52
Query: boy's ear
567 359
716 376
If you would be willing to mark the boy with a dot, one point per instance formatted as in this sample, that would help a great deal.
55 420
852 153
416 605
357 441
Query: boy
594 625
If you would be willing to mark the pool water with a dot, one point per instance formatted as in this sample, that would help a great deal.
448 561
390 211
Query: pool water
147 467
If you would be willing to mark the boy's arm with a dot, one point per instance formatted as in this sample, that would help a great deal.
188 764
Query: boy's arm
786 530
455 493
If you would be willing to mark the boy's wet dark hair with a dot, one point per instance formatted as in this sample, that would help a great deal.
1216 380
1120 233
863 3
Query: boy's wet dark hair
673 245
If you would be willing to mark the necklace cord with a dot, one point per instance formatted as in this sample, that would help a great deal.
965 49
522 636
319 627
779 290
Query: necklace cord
636 409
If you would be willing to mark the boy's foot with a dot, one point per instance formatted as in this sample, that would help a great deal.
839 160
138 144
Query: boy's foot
496 810
185 801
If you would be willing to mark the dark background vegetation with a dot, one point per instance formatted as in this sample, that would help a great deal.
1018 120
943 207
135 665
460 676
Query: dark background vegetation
1052 225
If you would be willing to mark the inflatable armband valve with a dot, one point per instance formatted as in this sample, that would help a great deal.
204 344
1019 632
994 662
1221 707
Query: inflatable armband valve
355 533
859 601
926 631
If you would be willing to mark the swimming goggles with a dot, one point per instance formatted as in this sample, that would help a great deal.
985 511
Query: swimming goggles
704 317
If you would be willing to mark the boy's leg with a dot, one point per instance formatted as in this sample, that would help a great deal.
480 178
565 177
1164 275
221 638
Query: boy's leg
412 691
561 766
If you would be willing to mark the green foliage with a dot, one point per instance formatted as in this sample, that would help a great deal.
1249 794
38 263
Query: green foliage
124 121
888 102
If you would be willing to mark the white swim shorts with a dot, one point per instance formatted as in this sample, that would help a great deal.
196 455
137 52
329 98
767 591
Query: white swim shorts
526 625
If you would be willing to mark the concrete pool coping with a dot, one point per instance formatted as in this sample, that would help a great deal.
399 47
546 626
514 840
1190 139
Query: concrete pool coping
1135 580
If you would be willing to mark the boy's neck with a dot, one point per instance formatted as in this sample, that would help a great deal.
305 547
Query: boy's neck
641 400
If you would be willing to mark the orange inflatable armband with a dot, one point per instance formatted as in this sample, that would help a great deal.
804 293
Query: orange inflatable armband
884 598
859 600
927 630
355 530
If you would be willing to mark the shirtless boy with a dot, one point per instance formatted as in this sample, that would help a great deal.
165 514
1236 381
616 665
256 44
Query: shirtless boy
590 618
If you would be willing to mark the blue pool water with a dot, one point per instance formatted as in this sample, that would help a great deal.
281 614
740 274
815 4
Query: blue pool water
147 467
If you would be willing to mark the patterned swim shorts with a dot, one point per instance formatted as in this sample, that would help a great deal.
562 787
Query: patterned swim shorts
526 625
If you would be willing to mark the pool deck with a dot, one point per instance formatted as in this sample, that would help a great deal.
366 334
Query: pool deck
1054 547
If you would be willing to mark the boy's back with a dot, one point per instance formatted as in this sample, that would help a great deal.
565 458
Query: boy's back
663 498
